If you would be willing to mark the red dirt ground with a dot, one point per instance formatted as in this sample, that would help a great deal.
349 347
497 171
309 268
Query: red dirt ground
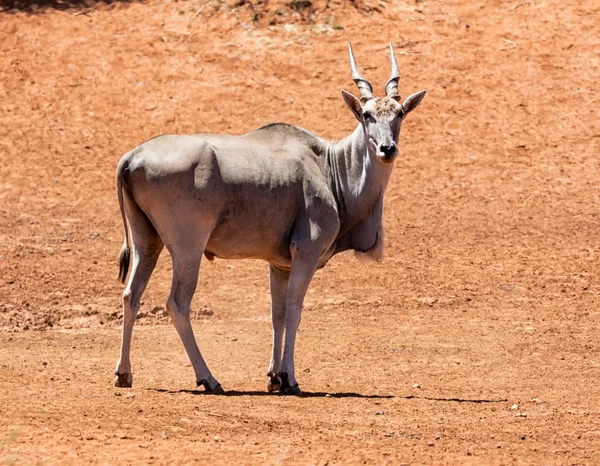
474 342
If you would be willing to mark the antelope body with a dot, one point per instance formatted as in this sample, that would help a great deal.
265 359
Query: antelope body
279 193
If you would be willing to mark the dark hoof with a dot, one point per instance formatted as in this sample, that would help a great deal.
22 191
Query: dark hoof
124 380
286 388
274 383
294 391
218 390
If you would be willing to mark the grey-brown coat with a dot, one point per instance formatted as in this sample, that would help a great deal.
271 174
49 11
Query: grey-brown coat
280 194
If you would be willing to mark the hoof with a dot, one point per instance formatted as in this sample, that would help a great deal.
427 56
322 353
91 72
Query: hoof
218 390
274 383
294 390
286 388
124 380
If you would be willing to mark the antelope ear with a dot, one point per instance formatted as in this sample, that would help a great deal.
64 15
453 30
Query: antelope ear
353 104
413 101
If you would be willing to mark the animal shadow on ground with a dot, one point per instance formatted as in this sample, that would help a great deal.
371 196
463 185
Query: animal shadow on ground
327 395
453 400
261 393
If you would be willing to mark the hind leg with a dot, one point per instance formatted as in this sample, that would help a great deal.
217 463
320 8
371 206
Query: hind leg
186 267
146 247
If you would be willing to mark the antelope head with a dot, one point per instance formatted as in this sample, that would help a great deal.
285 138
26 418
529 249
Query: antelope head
381 117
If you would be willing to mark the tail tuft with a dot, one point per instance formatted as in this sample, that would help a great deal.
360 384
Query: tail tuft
125 256
124 259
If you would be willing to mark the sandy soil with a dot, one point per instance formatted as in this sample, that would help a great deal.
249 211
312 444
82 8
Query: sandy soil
474 342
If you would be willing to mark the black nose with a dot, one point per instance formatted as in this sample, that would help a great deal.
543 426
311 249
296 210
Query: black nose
388 149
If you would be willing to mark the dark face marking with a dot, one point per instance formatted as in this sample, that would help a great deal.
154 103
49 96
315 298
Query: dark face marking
386 106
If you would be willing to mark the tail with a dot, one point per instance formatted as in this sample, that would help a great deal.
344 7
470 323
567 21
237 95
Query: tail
125 255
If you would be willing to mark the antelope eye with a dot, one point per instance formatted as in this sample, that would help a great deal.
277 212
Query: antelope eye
368 116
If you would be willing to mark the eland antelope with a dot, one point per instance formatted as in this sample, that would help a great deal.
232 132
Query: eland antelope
279 193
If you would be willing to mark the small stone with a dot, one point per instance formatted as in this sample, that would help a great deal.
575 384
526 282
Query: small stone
469 452
499 445
428 301
520 414
379 413
130 395
436 436
118 393
416 385
327 395
430 443
389 434
522 437
157 309
514 407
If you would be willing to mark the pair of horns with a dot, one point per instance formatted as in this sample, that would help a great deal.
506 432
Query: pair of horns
364 86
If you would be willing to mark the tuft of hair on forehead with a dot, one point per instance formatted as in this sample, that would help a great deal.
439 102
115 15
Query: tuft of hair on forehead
385 106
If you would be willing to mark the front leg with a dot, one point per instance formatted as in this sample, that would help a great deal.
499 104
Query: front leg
278 282
301 273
